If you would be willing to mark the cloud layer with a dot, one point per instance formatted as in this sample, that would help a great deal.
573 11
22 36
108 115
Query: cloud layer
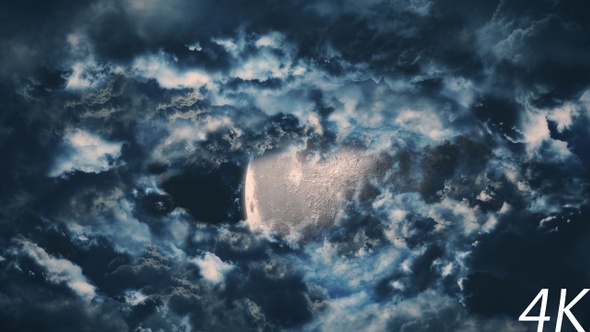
127 128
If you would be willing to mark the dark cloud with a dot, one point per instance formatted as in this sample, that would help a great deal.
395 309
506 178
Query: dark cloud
517 255
127 128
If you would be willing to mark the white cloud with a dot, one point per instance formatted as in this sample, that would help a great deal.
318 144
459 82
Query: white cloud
460 89
85 152
426 122
161 68
195 47
538 137
213 269
261 68
536 129
273 40
81 76
543 222
327 267
59 270
231 46
134 297
112 218
428 311
85 71
585 101
185 134
266 63
484 196
179 230
564 116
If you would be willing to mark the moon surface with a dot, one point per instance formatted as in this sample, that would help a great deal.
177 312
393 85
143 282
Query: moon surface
296 196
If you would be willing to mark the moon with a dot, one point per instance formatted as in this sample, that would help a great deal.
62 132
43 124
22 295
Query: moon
296 195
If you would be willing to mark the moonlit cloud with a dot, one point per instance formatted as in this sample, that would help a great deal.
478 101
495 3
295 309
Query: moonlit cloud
287 166
134 297
87 153
212 267
161 68
59 270
112 218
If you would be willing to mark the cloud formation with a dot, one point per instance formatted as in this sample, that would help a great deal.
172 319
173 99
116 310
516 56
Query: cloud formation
86 153
127 129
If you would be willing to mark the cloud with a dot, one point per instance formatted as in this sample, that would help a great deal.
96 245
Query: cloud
212 267
85 75
134 297
59 270
426 312
564 116
128 127
112 218
87 153
162 69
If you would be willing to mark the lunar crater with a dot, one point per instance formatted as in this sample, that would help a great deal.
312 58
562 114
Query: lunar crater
297 197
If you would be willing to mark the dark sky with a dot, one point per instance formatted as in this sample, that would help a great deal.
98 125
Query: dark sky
126 129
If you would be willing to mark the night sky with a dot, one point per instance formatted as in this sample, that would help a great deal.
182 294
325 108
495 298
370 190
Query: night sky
127 128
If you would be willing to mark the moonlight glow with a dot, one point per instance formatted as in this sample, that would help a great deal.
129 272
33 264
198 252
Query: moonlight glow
294 195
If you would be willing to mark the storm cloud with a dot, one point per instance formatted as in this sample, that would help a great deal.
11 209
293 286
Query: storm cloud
127 128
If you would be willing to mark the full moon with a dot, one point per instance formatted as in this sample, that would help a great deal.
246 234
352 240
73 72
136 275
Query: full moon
297 196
